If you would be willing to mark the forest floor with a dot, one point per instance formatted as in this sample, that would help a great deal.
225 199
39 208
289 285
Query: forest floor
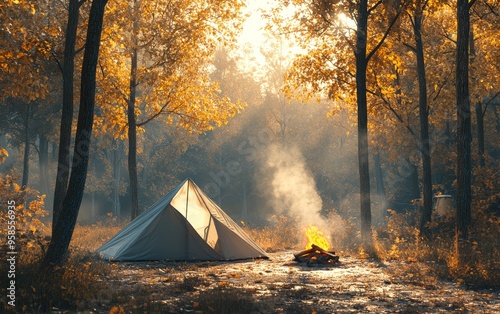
280 285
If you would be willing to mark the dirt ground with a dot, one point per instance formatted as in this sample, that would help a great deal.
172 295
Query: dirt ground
280 285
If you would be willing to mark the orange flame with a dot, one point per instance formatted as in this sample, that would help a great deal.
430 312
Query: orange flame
316 236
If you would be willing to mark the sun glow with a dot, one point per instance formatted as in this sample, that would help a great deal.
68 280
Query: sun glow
255 38
317 237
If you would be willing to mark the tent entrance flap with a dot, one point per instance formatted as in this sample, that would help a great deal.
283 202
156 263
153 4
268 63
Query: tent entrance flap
189 206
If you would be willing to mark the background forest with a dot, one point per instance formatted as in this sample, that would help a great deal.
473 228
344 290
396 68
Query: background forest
229 162
270 132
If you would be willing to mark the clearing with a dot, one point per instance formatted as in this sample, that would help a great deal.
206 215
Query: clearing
280 285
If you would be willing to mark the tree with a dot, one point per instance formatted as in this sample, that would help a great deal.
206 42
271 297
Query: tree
65 224
275 101
417 17
16 121
464 133
67 69
27 39
131 119
323 70
484 60
165 71
24 48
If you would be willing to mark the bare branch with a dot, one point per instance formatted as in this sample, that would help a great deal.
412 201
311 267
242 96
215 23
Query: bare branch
491 8
77 51
156 114
370 10
59 65
389 106
413 49
489 102
391 24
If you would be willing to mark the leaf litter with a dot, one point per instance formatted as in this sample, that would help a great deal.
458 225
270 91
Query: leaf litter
281 285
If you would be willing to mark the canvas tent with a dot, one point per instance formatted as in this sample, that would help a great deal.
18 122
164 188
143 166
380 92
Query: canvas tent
183 225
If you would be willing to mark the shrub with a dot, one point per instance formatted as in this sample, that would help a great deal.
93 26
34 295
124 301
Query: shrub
479 268
69 287
280 235
27 205
66 287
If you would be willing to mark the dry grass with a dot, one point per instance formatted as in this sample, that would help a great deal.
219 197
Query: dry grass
84 281
91 237
74 286
226 300
280 235
283 233
479 266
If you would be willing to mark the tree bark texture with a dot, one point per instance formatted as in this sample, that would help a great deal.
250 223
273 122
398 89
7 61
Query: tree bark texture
364 172
425 145
63 164
65 225
132 132
464 136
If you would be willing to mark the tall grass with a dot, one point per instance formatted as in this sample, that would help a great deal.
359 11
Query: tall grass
281 234
73 286
82 282
479 267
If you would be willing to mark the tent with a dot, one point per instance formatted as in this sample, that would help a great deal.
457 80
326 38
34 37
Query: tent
183 225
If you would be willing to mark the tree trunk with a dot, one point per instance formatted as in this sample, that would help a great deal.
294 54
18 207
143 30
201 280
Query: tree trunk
26 158
425 147
63 230
380 182
132 133
479 109
43 162
117 170
364 171
93 208
480 133
497 117
464 136
53 153
63 164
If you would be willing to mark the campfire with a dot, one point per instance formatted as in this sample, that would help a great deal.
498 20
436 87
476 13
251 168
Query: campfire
317 249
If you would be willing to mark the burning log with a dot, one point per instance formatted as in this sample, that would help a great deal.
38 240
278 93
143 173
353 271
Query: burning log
316 255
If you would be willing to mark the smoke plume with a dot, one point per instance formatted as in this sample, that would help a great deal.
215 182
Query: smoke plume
291 187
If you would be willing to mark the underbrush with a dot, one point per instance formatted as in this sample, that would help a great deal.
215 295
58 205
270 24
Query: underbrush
91 237
280 235
479 266
76 285
284 233
73 286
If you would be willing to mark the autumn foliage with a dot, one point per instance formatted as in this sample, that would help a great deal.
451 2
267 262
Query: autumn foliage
29 213
176 97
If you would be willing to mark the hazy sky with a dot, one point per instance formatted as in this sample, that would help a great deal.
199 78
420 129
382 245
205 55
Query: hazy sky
253 28
253 37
